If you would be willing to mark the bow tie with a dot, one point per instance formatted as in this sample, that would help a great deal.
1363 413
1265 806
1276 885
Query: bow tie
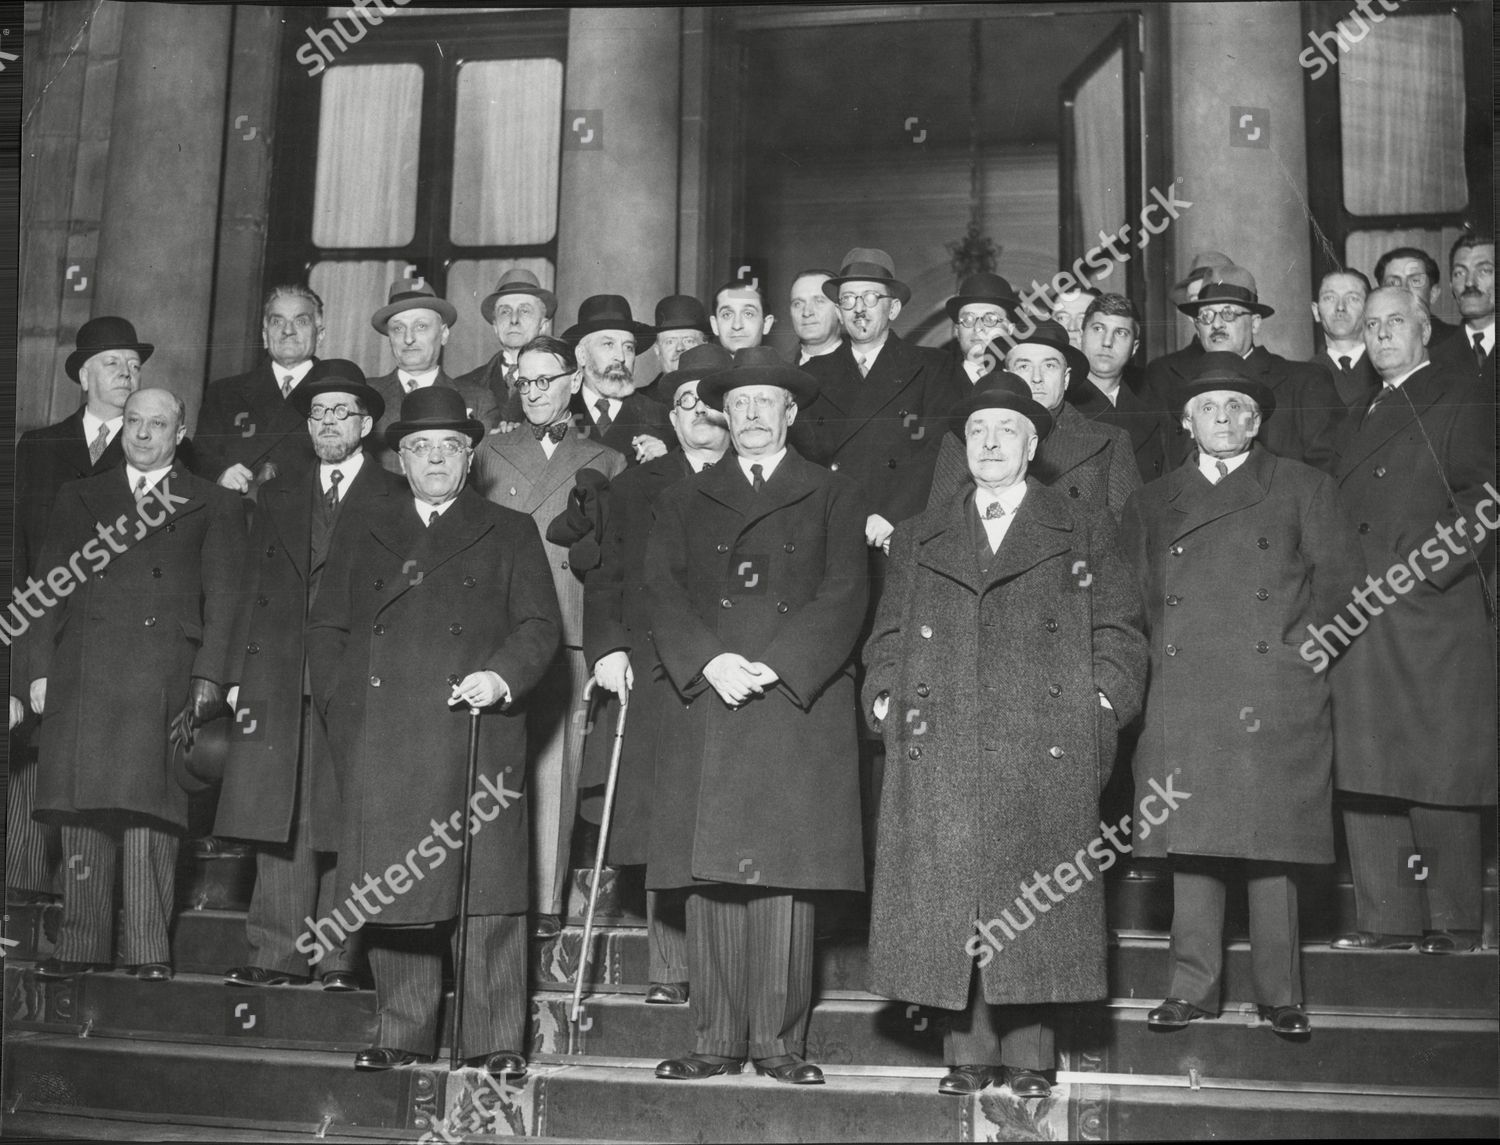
556 431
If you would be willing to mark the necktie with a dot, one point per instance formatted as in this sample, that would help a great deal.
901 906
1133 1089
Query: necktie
1223 470
605 421
432 518
757 478
1479 354
99 445
1346 364
994 511
140 488
409 384
864 366
1385 392
556 431
331 498
286 385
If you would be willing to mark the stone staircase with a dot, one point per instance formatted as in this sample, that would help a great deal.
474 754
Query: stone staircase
1403 1044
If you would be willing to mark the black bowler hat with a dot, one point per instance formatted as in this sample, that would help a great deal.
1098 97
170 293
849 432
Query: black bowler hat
1053 335
433 407
1221 370
1001 389
990 288
695 365
608 312
757 366
336 376
682 312
100 334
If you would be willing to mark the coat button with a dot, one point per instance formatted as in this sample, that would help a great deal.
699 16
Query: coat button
1050 625
156 574
834 467
512 490
1054 690
456 629
1364 526
923 690
252 648
150 622
726 603
890 463
721 547
453 679
378 630
1262 543
1173 600
1176 550
469 582
1171 650
101 573
374 681
565 566
926 631
1380 471
1055 752
819 421
902 412
261 602
913 752
783 606
1073 491
270 550
379 584
172 528
789 547
1262 594
1262 646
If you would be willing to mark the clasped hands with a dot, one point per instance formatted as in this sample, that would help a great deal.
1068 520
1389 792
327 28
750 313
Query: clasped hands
737 679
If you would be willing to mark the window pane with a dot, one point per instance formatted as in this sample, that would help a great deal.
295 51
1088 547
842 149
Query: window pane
472 343
1099 151
1362 250
507 133
369 129
1401 98
351 293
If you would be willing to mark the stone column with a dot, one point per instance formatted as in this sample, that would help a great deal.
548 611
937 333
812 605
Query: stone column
157 234
1248 201
617 227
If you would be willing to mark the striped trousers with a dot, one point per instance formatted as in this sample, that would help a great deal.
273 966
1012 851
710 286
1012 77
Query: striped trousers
86 933
1396 894
750 964
407 965
32 849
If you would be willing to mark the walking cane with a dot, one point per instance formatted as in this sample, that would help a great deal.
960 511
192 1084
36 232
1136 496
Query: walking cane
461 958
576 1012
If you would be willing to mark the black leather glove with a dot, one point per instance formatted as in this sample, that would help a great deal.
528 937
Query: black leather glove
205 702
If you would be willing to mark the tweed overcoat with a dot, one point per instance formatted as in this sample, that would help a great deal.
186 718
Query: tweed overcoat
1236 717
997 746
404 611
260 787
1414 695
767 793
119 649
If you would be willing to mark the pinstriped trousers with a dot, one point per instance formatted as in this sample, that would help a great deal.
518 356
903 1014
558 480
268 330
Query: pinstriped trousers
1389 895
750 963
31 849
407 965
86 933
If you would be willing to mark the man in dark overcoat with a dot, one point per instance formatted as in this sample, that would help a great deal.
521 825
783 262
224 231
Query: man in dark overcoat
1339 310
1236 553
1085 460
135 651
517 310
1414 693
106 363
533 469
1006 654
607 338
248 429
617 641
756 573
279 788
1112 390
440 606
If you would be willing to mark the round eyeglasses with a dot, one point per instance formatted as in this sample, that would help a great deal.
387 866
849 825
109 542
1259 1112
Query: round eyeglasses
869 298
340 412
541 384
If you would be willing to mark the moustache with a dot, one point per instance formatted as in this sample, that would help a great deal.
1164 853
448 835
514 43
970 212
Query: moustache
1471 290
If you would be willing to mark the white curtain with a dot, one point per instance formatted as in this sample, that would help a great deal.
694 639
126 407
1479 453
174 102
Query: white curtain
351 293
369 131
1362 249
472 342
1099 152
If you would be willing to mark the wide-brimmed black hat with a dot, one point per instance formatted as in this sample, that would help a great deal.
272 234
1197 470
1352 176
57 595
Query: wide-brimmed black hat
517 280
100 334
433 407
412 294
1221 370
609 312
1204 263
984 287
682 312
695 365
1232 284
868 264
757 366
336 376
1046 332
1000 389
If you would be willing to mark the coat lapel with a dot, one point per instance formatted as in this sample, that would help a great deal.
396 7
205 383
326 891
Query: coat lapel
1069 445
1041 530
862 399
289 514
571 455
726 484
1197 503
111 499
423 549
1394 414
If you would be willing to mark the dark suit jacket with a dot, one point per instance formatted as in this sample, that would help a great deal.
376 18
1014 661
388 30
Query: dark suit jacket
46 459
491 376
638 414
1149 427
245 421
1355 387
882 430
1459 351
478 399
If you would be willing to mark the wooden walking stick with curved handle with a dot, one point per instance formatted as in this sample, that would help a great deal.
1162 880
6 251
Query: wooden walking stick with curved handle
461 955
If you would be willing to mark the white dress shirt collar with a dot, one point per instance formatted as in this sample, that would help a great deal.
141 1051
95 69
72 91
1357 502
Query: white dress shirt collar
425 508
91 426
767 464
153 476
348 469
420 381
1208 465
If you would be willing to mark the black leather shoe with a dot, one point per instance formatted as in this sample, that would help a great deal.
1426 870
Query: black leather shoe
962 1080
547 926
259 976
1449 942
1370 940
380 1057
1289 1021
1027 1082
1174 1014
58 970
696 1067
341 980
790 1068
154 972
504 1063
667 994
